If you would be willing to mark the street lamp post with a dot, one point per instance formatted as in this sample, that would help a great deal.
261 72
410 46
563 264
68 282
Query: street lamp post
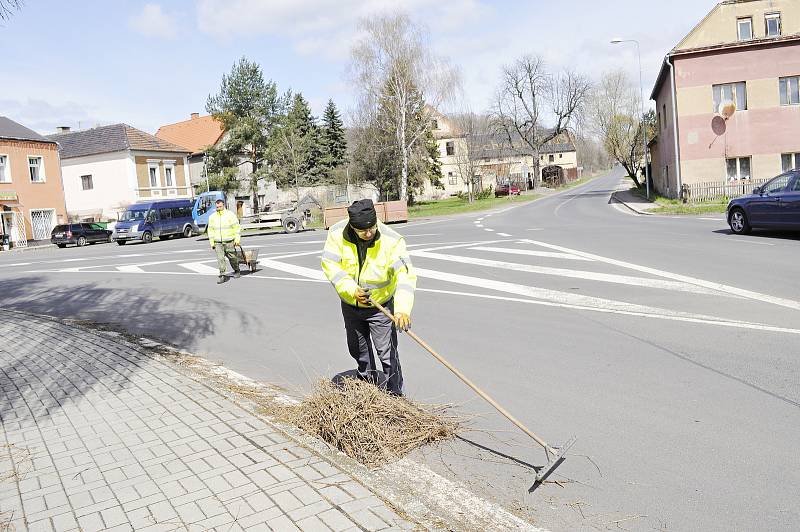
641 98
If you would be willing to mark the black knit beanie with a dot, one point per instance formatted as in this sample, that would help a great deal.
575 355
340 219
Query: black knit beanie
362 214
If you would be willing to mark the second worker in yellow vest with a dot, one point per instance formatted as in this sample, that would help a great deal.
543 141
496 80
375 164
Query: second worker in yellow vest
224 234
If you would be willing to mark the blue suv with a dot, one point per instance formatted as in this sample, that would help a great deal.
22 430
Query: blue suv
155 219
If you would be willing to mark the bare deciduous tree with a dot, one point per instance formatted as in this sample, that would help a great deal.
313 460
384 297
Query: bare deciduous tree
471 132
613 112
529 96
395 70
7 8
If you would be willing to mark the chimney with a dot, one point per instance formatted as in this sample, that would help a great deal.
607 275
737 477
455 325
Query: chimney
63 129
195 116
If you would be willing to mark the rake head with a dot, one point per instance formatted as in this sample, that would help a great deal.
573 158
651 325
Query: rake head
553 461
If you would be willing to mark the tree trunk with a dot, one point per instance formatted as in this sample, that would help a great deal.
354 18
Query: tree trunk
404 154
254 182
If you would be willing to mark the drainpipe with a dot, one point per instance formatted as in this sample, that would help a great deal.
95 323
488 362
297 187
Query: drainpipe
675 124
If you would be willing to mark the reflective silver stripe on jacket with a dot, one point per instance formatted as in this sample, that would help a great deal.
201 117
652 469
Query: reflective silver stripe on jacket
330 255
405 286
376 286
399 263
339 276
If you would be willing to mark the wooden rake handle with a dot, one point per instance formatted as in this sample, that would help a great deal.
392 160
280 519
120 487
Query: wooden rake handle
468 382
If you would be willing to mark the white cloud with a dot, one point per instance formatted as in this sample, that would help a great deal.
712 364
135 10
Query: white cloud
43 117
326 27
154 22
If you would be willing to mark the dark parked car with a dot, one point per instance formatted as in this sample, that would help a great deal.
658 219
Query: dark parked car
503 189
79 234
774 205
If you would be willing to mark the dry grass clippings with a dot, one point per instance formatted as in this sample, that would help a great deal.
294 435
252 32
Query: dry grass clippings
368 424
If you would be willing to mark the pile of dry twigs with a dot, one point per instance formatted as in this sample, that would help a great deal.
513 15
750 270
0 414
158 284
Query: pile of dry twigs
369 424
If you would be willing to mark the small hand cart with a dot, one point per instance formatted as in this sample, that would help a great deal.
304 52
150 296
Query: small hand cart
248 256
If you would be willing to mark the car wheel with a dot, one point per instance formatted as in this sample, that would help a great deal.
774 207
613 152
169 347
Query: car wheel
187 232
110 239
81 241
291 225
147 237
738 222
121 242
61 245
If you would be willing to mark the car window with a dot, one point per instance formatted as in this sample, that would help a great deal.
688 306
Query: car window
85 227
60 228
796 187
778 184
166 213
96 227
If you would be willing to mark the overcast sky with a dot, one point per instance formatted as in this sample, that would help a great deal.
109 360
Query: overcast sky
152 63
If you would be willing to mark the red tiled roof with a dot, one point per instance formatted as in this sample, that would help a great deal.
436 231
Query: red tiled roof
196 134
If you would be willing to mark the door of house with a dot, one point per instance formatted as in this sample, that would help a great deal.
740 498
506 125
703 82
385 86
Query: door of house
42 223
14 225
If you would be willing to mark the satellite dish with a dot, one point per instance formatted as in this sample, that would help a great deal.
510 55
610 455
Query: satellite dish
726 109
718 125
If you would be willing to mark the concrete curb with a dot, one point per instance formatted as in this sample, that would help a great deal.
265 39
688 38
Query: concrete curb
29 249
616 198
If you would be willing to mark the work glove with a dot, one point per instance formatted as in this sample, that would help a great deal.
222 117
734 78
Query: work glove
237 242
403 321
362 296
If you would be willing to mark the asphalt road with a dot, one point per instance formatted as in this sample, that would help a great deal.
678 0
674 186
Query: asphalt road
668 346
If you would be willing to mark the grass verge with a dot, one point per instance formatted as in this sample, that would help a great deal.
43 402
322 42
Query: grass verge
447 206
664 205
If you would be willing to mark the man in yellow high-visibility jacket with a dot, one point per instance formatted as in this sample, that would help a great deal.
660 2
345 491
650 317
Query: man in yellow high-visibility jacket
224 234
365 259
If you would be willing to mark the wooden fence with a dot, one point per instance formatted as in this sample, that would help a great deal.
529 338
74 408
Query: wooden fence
710 191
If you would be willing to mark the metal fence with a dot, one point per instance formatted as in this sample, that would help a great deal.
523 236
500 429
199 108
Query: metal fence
716 190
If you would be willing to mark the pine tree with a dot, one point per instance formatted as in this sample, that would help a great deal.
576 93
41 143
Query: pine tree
334 143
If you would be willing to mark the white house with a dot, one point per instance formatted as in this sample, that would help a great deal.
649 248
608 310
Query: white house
107 168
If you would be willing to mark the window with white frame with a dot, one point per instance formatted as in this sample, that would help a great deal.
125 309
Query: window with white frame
86 182
168 170
452 178
450 147
738 168
734 92
772 24
153 174
5 172
36 169
744 27
790 161
790 90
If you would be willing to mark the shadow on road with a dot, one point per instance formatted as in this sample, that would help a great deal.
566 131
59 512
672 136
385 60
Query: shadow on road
780 235
172 317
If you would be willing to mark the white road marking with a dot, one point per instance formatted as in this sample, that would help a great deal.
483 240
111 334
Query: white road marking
199 267
423 234
574 274
530 252
503 234
311 273
689 319
748 294
712 219
744 241
130 268
16 264
461 245
535 229
487 229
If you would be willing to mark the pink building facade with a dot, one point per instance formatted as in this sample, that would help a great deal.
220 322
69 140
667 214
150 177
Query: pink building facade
760 75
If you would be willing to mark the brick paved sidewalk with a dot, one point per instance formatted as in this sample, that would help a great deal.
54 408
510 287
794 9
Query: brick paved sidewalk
99 434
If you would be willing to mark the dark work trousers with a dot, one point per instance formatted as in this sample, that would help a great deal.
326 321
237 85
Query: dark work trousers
368 327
